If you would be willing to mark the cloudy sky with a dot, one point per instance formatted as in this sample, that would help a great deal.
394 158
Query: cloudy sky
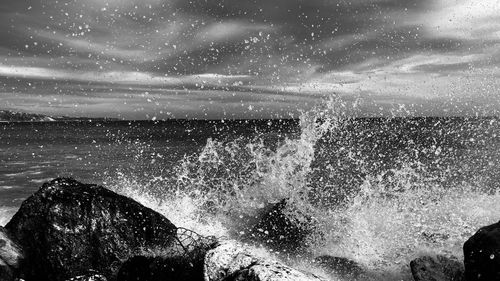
248 58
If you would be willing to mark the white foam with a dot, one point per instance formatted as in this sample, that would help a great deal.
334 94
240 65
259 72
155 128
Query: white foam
181 209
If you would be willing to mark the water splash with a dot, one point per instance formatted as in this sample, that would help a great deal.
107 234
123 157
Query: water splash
393 220
182 209
248 174
381 193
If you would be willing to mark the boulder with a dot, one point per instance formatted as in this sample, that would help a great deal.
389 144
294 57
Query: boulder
142 268
341 267
482 254
188 267
232 261
283 228
6 272
68 228
10 256
439 268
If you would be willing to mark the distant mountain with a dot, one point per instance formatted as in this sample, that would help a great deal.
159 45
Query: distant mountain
12 116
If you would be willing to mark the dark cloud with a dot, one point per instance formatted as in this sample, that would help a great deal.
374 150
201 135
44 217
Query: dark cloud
178 36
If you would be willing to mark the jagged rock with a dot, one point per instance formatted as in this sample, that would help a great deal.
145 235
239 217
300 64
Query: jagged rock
281 231
6 273
342 267
10 256
141 268
482 254
439 268
232 261
89 277
68 228
188 267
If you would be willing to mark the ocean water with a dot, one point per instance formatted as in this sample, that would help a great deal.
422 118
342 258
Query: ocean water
381 190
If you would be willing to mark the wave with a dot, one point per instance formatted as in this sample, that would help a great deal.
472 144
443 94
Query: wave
380 194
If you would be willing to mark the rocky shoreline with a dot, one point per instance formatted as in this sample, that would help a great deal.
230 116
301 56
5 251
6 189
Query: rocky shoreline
68 230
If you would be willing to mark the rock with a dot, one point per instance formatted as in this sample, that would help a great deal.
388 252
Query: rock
282 232
89 277
342 267
141 268
232 261
482 254
188 267
68 228
10 256
439 268
6 273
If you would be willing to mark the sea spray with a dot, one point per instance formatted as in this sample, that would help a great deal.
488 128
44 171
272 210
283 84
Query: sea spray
381 191
239 178
182 209
390 222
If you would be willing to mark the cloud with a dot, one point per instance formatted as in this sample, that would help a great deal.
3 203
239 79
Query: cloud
464 19
406 51
121 77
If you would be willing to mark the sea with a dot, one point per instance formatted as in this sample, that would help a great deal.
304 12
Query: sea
381 191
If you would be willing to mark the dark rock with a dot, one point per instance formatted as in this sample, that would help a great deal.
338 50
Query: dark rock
482 254
6 273
342 267
68 228
142 268
187 267
283 228
10 256
232 261
439 268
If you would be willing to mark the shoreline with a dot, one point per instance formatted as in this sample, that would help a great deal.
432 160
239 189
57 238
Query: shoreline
209 253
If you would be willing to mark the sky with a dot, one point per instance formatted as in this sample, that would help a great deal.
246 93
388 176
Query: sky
158 59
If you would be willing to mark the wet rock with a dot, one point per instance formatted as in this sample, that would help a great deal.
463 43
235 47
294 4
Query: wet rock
282 231
141 268
482 254
186 267
439 268
10 256
341 267
68 228
232 261
89 277
6 273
